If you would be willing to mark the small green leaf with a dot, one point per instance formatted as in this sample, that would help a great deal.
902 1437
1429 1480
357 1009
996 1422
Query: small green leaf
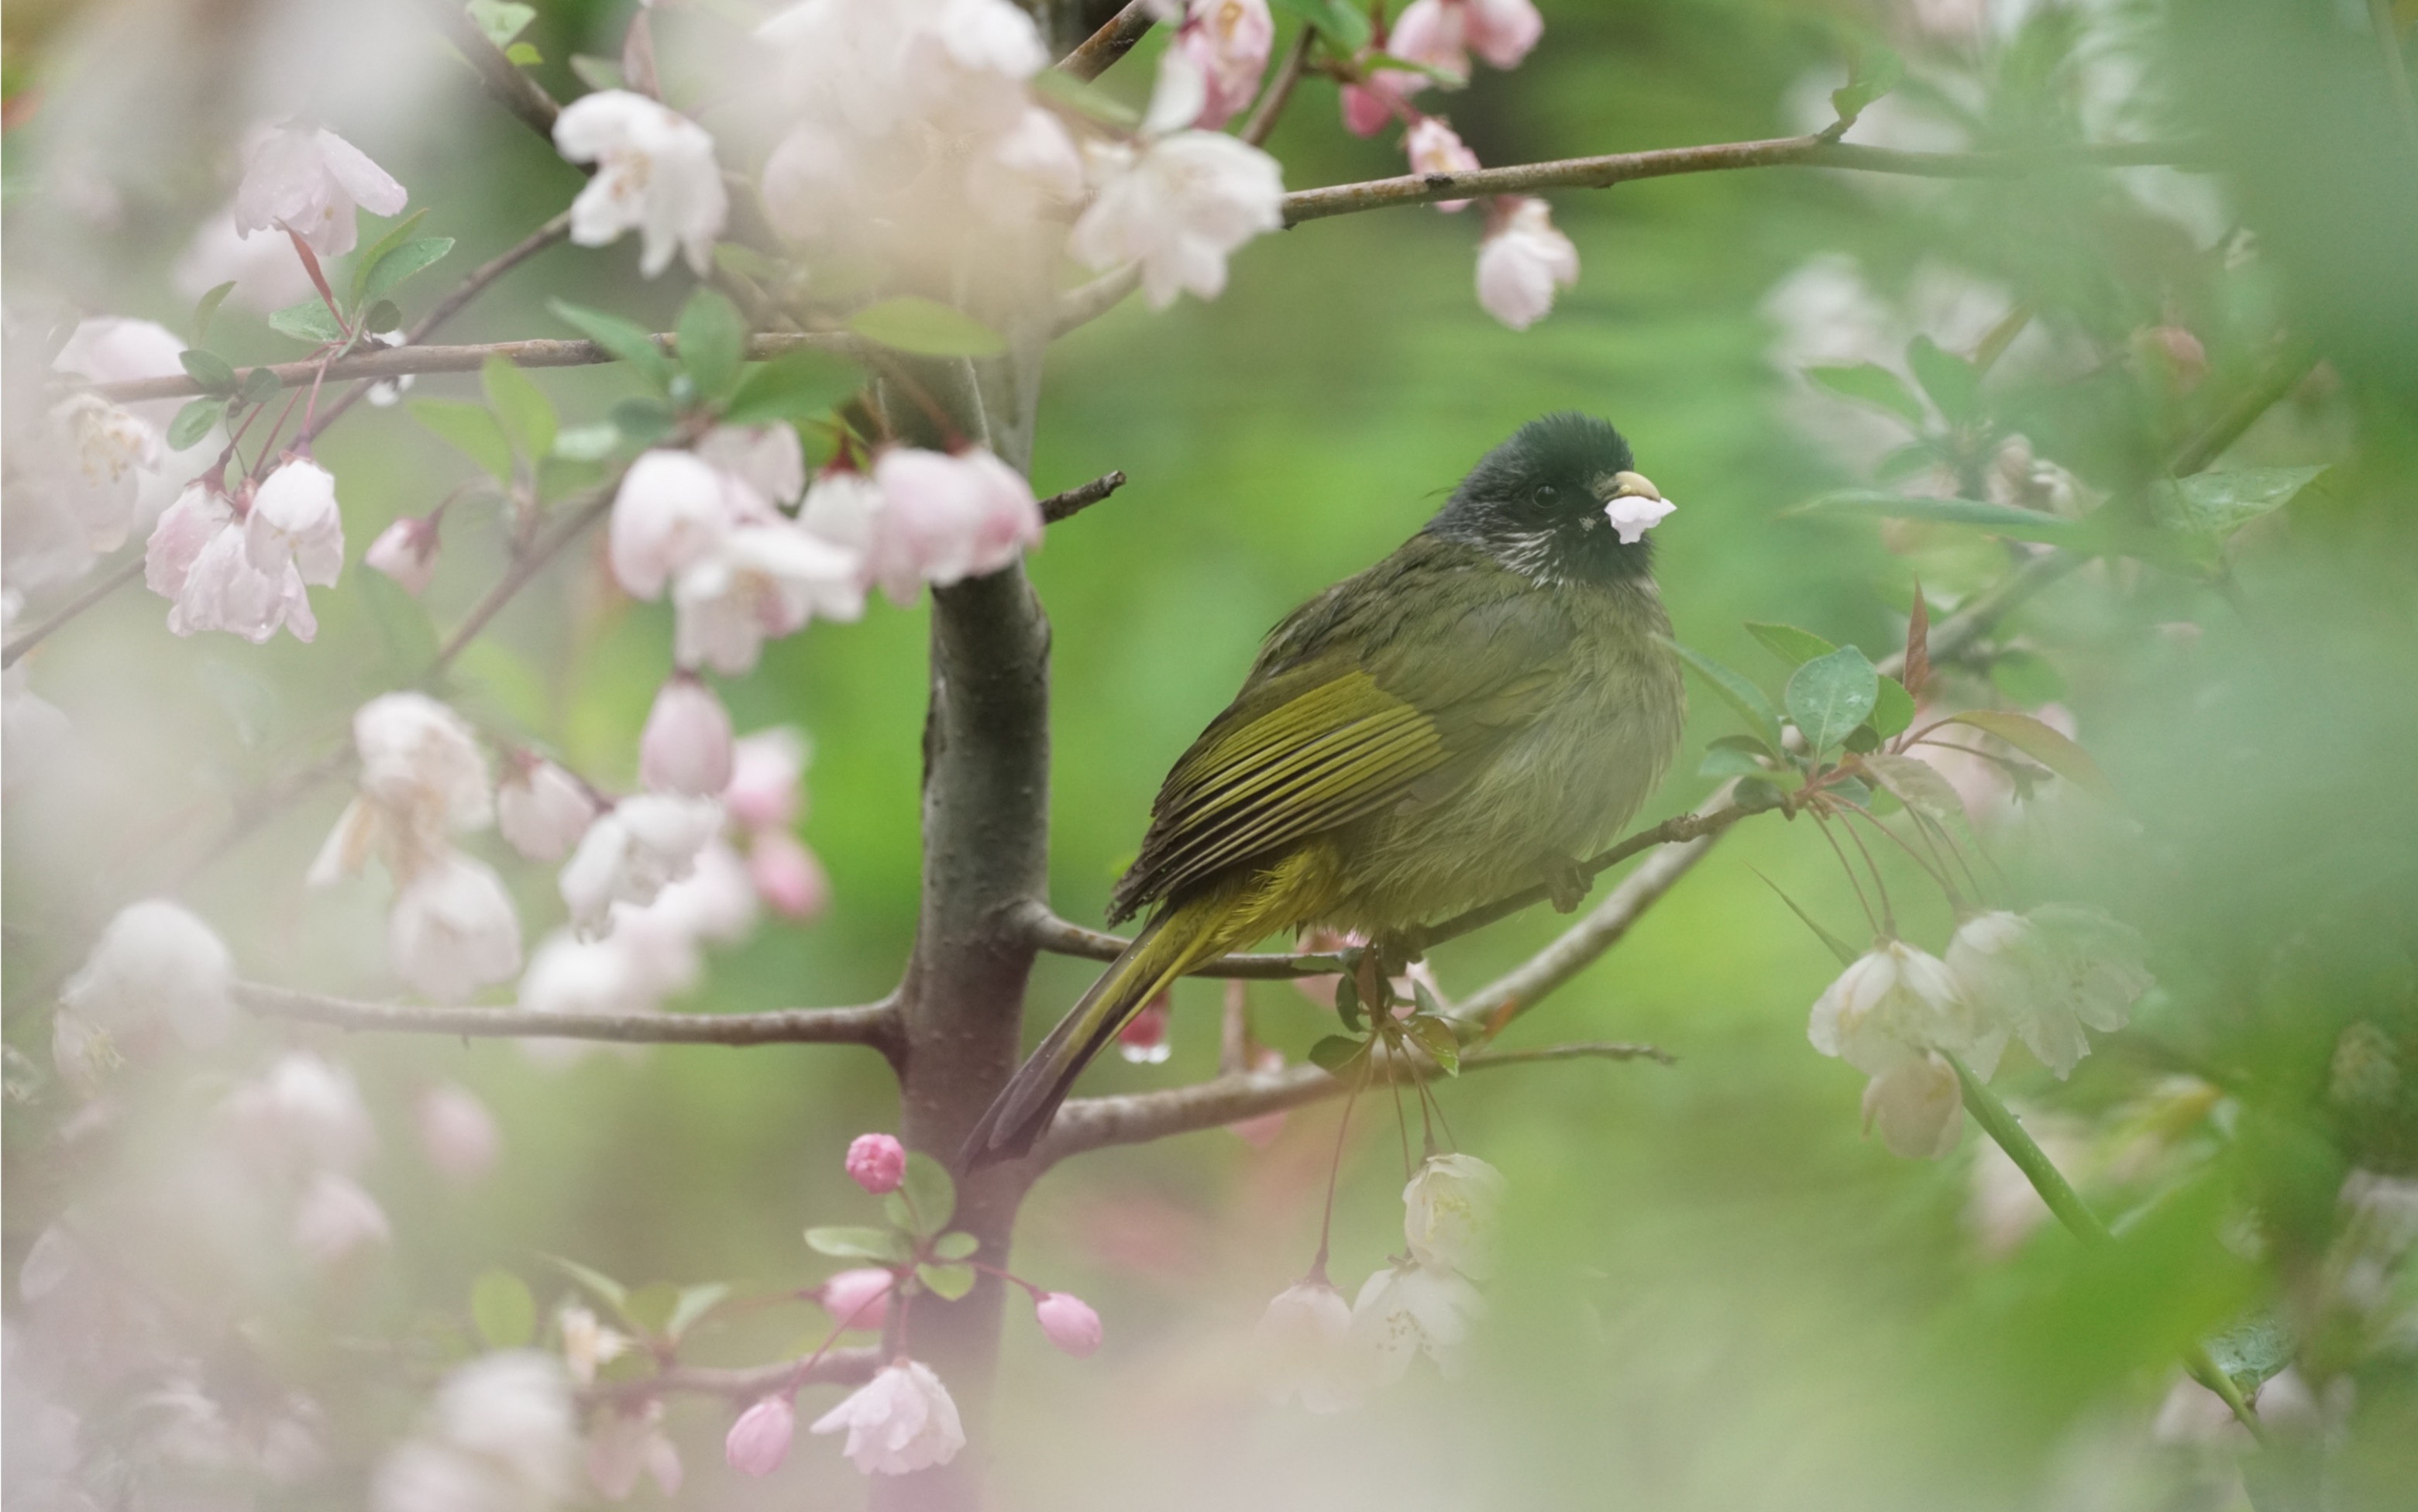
1861 739
629 342
2253 1350
948 1282
1339 21
2008 520
382 315
307 322
1793 646
469 429
502 1311
207 307
1347 1001
790 388
2043 744
587 443
650 1307
1953 384
1844 951
1435 1036
1893 710
1424 1001
712 343
1869 383
643 422
1830 695
500 21
211 370
402 262
367 258
1872 72
2214 505
929 1192
1722 763
956 1246
603 1287
193 421
928 328
258 384
521 407
895 1208
693 1303
1337 1051
1734 688
520 54
2027 677
883 1245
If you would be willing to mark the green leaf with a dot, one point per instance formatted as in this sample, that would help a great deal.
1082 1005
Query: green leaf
2254 1349
1735 690
258 384
948 1282
629 342
895 1208
1869 383
1435 1036
1337 1051
1844 951
601 1286
956 1246
1830 695
521 407
469 429
212 372
643 422
791 387
2008 520
193 421
847 1242
502 1311
712 343
382 314
1862 738
307 322
1893 710
2213 505
207 307
1424 1001
1793 646
2044 746
693 1303
367 258
522 55
2027 677
402 262
1919 786
500 21
1342 23
1872 72
1724 762
587 443
650 1307
1953 384
928 328
1347 1001
929 1192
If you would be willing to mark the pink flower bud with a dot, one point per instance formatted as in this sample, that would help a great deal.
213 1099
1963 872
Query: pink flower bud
457 1132
786 876
760 1440
407 552
1434 148
859 1299
1144 1040
1069 1322
2178 351
766 769
686 747
877 1162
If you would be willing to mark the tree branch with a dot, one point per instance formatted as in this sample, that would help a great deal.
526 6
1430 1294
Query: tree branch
108 583
873 1024
503 81
1113 41
1086 1123
1076 500
1263 122
1063 936
842 1367
1662 162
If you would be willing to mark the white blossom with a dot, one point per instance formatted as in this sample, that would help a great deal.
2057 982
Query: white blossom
671 511
107 452
809 183
901 1421
1449 1213
631 854
1031 164
1406 1308
1917 1105
625 1442
1305 1343
760 581
1178 205
156 964
1521 262
266 275
456 1132
453 928
685 746
543 810
334 1217
767 459
423 779
2104 975
309 180
1892 1003
221 590
407 552
294 522
656 174
587 1345
183 529
304 1113
767 777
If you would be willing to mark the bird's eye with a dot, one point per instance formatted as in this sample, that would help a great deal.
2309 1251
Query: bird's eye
1544 493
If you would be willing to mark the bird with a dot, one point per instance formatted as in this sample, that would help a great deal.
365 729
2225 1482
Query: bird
1466 718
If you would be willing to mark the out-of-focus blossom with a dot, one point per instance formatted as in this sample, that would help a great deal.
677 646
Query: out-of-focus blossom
670 511
931 517
1372 105
767 775
1144 1040
767 459
155 964
541 809
1502 31
685 746
624 1442
1892 1002
186 525
2102 957
114 349
266 275
198 558
760 1440
1917 1105
34 733
107 452
2011 977
309 180
1305 1340
900 1422
305 1112
957 66
633 853
1521 262
453 928
586 1344
1434 34
407 552
1069 1322
1226 42
1404 1309
423 779
809 183
1633 514
1448 1212
1433 149
858 1299
656 174
2179 356
335 1217
760 581
294 522
877 1162
786 876
1032 164
457 1133
1178 205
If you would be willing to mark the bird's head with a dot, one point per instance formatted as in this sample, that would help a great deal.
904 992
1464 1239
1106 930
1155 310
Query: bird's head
1561 501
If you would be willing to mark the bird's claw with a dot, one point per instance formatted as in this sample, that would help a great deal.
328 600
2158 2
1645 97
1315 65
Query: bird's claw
1565 883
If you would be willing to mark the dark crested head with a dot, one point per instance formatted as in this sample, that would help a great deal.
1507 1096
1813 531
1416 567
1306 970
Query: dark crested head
1537 502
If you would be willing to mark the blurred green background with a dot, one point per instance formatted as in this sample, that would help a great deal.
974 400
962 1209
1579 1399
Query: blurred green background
1717 1294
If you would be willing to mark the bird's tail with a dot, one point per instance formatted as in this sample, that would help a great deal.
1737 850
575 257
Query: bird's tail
1170 946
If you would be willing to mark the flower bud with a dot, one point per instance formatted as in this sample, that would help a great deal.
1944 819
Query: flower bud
760 1440
877 1162
766 769
686 747
407 552
786 876
858 1299
1069 1322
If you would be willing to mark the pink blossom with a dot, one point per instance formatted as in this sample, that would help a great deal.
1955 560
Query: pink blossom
407 552
335 1218
1370 105
767 772
623 1442
877 1162
944 518
1434 32
1434 149
1229 42
1179 205
630 855
1502 31
305 1112
1144 1040
457 1133
1069 1322
294 521
768 460
760 1440
786 876
686 747
858 1299
901 1421
668 513
197 550
541 809
177 541
310 180
1521 262
760 581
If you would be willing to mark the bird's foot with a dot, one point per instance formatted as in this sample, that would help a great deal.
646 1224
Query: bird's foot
1368 974
1565 883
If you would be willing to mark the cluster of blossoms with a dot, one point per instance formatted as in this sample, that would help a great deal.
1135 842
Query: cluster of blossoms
1897 1012
96 473
1331 1354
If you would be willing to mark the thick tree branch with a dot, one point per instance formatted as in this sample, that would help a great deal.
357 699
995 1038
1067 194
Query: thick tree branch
502 80
1082 496
1085 1124
1113 41
873 1024
1662 162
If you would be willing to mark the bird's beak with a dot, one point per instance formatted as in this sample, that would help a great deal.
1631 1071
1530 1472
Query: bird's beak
1631 485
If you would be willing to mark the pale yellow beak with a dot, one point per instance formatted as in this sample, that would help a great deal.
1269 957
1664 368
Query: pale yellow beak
1632 486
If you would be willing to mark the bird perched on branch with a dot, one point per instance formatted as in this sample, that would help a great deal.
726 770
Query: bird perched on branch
1470 715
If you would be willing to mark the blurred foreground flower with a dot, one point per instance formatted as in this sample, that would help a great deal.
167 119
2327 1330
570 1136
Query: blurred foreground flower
1226 42
1406 1308
685 746
630 855
901 1421
1449 1215
656 174
155 966
624 1442
541 809
499 1435
1305 1340
309 180
457 1133
858 1299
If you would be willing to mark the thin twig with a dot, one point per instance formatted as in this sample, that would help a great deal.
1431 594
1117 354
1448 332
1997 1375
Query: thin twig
1082 496
1272 104
872 1024
117 577
1087 303
842 1367
503 80
1094 56
525 566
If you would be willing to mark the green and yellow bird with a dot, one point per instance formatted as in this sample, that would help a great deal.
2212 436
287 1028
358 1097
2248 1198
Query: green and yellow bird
1464 718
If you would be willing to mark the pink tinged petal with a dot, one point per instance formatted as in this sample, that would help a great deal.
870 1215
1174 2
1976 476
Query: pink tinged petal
1368 107
767 779
1521 262
630 855
1433 149
457 1133
372 187
686 747
901 1421
877 1162
1070 1322
407 552
452 929
768 459
669 513
786 876
1503 31
858 1300
177 541
760 1440
1433 32
543 810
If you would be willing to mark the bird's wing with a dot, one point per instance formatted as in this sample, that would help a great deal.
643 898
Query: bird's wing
1386 703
